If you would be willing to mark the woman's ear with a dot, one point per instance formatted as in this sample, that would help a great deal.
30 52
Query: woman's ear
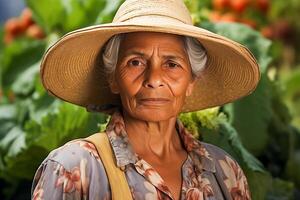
190 87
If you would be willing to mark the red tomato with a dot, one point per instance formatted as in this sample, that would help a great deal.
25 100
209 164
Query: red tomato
8 38
263 5
35 31
12 26
249 22
26 18
220 4
239 5
267 31
214 16
229 17
282 29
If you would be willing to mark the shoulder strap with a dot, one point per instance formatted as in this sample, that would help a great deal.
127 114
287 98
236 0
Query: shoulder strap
116 177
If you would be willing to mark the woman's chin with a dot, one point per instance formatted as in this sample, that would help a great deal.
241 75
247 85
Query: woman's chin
154 115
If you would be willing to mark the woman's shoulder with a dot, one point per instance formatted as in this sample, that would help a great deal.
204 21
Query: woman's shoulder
71 171
74 152
229 173
215 152
221 159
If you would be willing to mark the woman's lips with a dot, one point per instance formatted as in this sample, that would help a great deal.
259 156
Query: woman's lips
154 101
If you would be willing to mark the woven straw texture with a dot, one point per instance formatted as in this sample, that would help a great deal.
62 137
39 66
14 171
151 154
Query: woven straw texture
71 69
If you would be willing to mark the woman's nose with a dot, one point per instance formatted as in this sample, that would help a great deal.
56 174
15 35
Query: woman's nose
153 77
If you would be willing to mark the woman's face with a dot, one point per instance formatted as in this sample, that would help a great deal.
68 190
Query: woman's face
153 75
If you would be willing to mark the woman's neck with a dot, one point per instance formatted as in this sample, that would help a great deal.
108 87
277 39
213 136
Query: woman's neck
156 140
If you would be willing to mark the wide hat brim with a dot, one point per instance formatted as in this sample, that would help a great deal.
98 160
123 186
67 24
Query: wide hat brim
72 68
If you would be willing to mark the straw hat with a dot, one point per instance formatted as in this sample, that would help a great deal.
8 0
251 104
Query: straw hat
72 68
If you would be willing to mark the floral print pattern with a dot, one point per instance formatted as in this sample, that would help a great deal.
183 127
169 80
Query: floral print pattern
74 180
237 185
75 171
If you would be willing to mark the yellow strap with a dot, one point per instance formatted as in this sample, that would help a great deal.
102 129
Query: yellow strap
116 177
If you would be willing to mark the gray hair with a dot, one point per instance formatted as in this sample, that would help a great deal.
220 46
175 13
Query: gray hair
196 53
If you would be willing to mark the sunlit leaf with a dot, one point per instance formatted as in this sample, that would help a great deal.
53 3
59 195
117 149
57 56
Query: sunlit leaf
65 15
245 35
18 57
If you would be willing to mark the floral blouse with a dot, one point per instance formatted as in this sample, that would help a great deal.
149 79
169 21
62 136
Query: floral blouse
75 171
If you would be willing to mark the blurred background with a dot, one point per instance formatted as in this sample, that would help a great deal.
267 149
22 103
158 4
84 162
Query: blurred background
261 131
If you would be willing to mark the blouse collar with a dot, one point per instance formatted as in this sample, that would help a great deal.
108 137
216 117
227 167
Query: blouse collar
125 155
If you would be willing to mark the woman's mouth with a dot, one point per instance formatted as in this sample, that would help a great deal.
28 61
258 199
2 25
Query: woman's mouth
154 101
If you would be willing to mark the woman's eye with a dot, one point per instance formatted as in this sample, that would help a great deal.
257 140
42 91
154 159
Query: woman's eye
172 65
135 63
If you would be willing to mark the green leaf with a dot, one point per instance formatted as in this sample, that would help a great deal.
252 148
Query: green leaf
208 118
292 168
107 14
81 13
252 115
245 35
8 119
24 164
281 190
259 183
49 14
65 15
227 138
291 82
12 134
8 112
61 125
18 57
199 10
26 80
1 55
212 127
29 146
9 141
290 93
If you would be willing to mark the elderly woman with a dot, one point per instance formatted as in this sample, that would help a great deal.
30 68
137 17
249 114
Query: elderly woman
144 68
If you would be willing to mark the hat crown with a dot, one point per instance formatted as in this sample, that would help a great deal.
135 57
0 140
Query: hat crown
174 9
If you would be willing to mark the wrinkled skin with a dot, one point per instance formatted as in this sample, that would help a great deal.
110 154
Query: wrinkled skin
153 77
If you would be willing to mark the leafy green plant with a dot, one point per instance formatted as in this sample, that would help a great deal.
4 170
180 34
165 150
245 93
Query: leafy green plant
254 125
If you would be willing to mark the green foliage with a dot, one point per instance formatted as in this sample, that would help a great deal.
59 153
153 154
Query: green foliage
251 115
61 125
281 190
259 183
18 58
261 120
107 14
286 10
291 93
208 118
7 118
259 46
65 15
198 9
293 166
36 139
213 127
218 131
1 55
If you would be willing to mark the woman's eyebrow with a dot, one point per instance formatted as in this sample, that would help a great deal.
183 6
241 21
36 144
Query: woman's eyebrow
134 52
140 53
173 57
